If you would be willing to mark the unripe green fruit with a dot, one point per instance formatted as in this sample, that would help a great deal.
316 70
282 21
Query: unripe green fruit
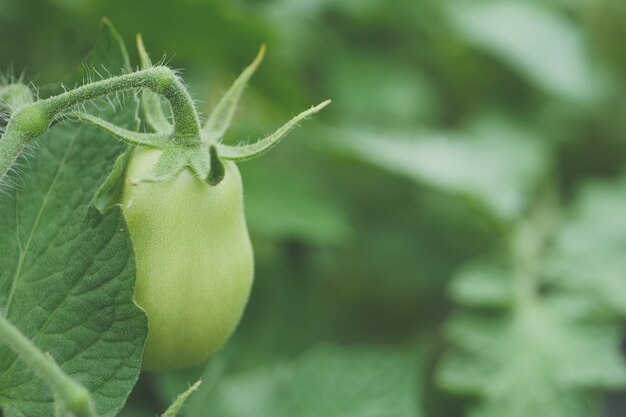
194 260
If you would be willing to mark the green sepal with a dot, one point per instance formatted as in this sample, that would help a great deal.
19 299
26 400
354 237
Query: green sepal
171 162
221 117
150 140
216 169
176 158
110 191
247 152
204 162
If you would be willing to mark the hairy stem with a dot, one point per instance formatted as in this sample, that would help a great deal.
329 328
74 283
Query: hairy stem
32 120
150 101
11 146
74 396
161 80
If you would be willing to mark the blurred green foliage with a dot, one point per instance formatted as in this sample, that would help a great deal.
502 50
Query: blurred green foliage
460 203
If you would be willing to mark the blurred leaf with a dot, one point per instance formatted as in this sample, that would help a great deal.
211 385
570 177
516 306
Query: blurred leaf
368 90
284 202
605 19
533 364
542 45
499 168
588 253
482 283
327 381
7 8
542 350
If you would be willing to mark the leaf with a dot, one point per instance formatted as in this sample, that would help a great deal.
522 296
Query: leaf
541 45
527 346
588 253
309 214
329 381
66 270
537 357
396 95
537 363
496 165
482 283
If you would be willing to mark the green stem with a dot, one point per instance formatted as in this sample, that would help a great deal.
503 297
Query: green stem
33 120
11 146
75 397
161 80
151 104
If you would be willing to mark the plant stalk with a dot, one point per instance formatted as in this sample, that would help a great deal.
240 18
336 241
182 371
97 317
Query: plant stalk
74 396
33 120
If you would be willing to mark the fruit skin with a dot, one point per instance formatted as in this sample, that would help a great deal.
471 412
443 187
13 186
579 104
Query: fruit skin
194 260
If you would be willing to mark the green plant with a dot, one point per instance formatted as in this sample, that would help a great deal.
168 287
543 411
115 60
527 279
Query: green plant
177 195
462 205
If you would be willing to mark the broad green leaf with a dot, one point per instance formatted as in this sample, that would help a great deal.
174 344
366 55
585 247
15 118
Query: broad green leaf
495 165
541 45
588 254
66 270
327 381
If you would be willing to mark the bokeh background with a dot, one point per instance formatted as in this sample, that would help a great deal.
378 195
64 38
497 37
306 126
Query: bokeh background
472 160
